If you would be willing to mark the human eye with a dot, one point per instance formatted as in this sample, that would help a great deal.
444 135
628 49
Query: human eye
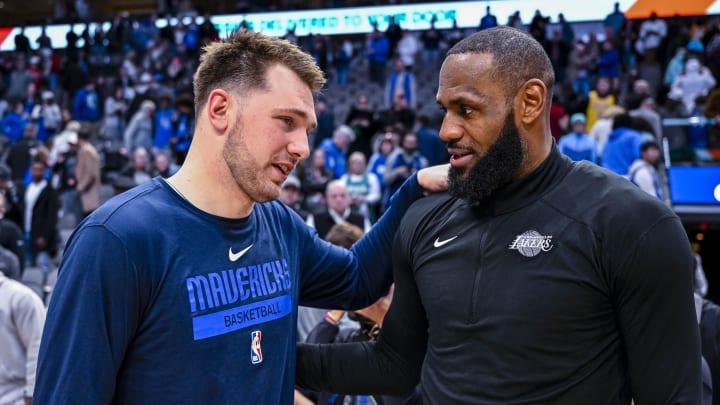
464 111
288 121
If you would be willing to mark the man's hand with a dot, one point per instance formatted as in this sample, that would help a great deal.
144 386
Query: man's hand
434 179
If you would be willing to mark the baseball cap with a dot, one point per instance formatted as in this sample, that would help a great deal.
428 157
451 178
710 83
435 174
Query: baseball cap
291 181
578 117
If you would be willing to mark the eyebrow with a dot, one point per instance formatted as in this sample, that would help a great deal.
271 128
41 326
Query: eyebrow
295 111
467 94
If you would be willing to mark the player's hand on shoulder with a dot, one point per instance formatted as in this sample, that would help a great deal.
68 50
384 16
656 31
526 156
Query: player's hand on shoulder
434 179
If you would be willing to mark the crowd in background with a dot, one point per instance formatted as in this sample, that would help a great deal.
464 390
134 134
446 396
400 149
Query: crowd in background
128 91
115 108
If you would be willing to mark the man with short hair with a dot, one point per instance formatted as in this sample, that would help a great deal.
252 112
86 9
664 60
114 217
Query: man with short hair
22 315
336 148
536 279
186 290
338 210
577 144
643 172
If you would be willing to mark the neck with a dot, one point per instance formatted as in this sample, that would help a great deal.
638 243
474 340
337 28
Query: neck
205 181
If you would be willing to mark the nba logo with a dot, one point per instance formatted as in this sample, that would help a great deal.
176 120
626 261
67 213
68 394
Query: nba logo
255 349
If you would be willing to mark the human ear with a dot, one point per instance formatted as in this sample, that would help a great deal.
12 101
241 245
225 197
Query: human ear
533 98
218 107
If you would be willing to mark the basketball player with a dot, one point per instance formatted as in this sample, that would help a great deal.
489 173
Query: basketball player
538 279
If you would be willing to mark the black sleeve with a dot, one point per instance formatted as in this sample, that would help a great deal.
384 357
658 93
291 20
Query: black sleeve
391 365
323 332
656 311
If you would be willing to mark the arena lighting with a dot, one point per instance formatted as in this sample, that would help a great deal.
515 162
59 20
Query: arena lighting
359 20
700 236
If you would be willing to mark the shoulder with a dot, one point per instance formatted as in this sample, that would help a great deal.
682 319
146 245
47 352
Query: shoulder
606 202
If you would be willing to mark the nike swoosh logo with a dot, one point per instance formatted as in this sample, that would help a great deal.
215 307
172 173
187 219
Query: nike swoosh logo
439 243
235 256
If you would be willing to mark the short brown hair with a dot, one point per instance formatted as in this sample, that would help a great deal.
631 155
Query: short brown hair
344 234
241 61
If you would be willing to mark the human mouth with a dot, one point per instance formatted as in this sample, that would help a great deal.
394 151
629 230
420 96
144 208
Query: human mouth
460 157
285 168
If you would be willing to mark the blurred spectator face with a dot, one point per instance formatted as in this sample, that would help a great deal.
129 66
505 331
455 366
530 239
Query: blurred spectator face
356 163
290 195
399 66
578 127
387 145
318 158
410 142
399 101
337 197
362 102
161 162
603 85
651 155
140 159
607 45
37 171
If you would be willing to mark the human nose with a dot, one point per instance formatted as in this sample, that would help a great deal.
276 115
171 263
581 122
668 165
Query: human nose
449 131
298 147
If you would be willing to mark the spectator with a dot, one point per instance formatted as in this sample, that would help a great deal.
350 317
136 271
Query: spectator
139 132
407 49
429 143
315 178
623 146
47 116
393 33
336 149
13 240
139 169
14 201
114 116
363 187
431 39
579 66
86 106
14 122
378 52
87 174
361 118
558 50
162 166
558 119
643 172
403 163
401 83
19 81
577 144
184 126
652 33
41 216
291 196
599 100
22 315
163 125
488 20
609 64
378 161
696 80
615 21
603 127
647 111
326 121
338 210
22 152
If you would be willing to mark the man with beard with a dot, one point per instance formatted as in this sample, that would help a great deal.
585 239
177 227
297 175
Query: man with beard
537 279
186 290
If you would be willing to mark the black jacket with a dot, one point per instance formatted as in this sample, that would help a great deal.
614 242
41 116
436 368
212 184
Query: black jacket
563 288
